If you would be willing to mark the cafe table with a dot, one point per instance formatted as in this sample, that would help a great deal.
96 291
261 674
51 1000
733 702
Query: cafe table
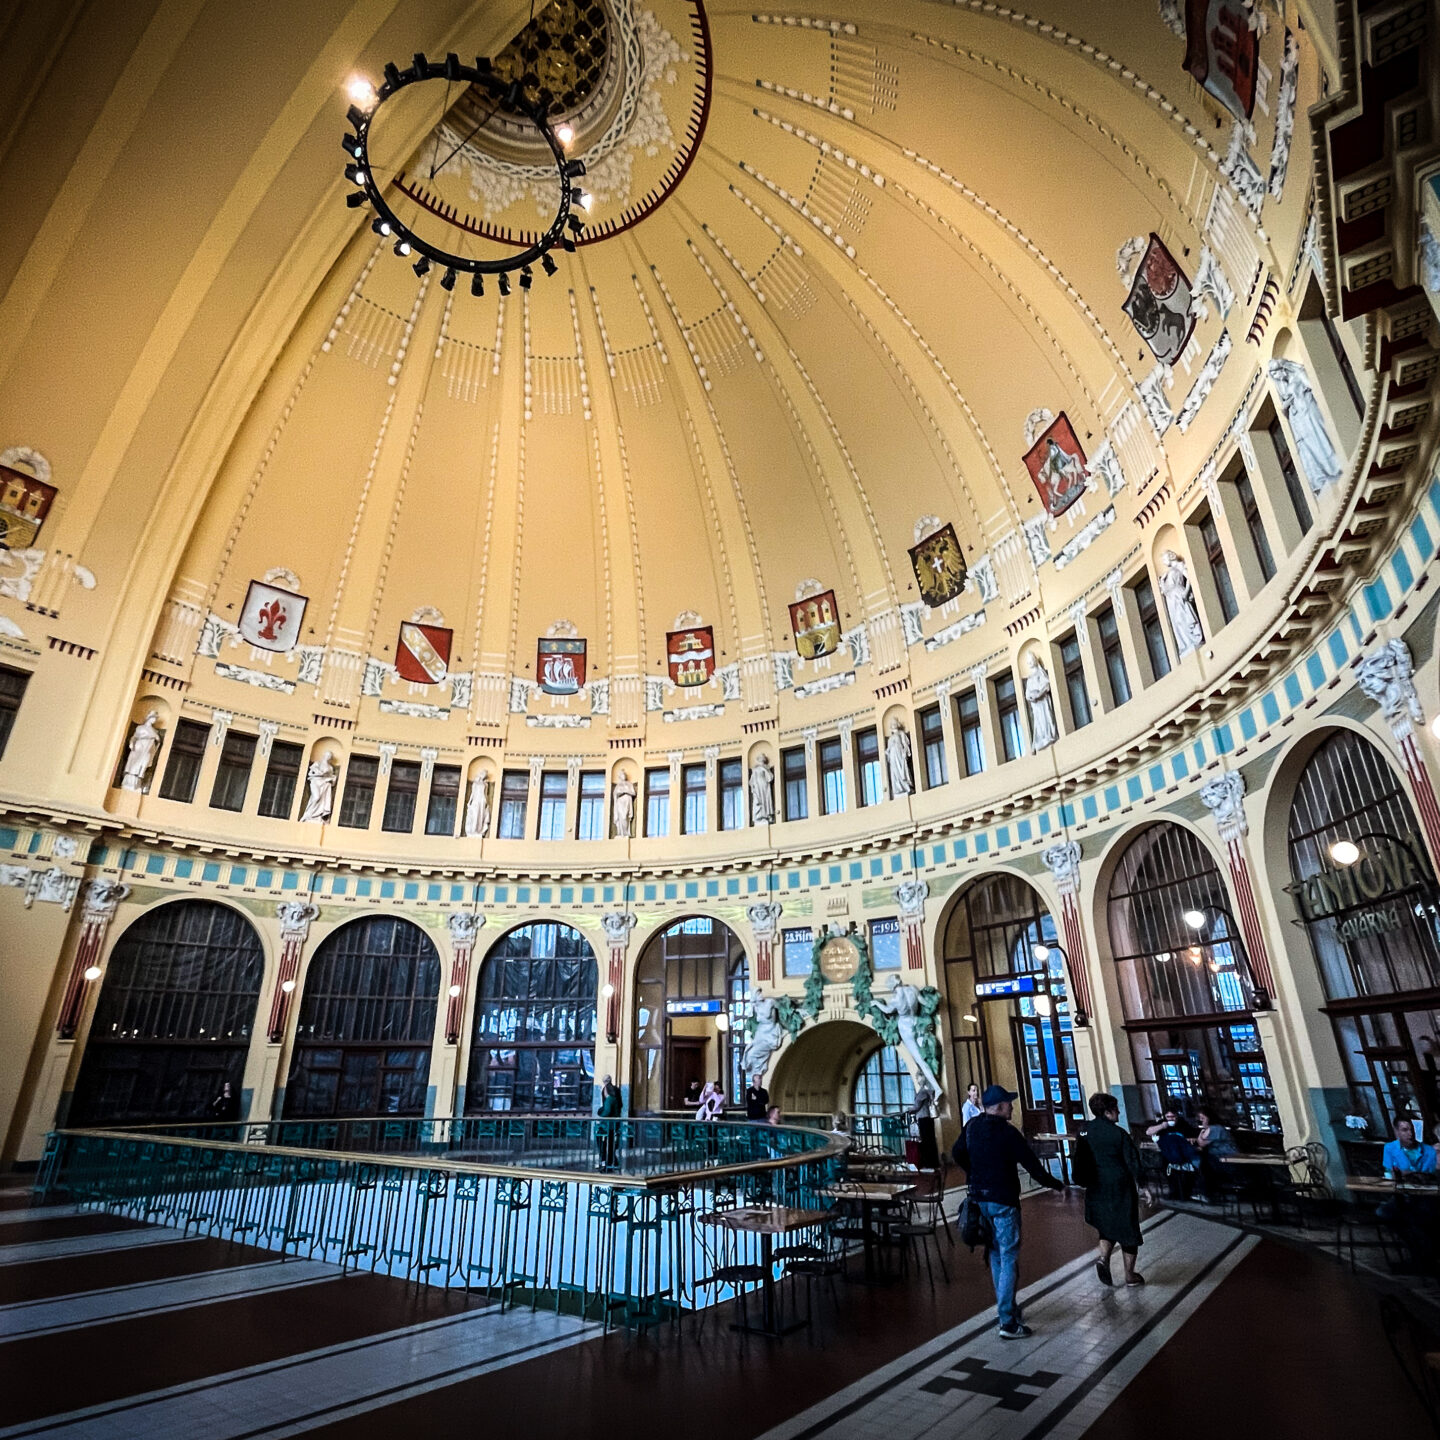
1062 1139
768 1221
869 1194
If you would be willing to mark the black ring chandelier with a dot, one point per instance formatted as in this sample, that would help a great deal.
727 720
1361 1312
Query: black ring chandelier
387 222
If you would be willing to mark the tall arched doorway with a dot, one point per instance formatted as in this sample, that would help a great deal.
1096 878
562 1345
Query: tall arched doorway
1009 1008
173 1019
1185 987
366 1024
532 1046
1370 912
690 974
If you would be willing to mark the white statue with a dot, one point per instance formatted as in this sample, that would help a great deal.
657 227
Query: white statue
1042 706
477 808
1312 440
904 1005
769 1034
897 759
321 777
622 806
762 791
1180 602
144 747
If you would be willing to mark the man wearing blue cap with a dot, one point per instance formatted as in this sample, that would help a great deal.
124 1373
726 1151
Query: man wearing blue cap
988 1151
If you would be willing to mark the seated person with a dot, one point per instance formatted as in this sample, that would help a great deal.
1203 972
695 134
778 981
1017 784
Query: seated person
1405 1155
1214 1143
1172 1134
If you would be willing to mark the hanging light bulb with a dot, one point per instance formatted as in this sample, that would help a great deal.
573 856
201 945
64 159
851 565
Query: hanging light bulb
1344 852
1195 919
1044 1005
1041 951
92 972
287 986
608 991
722 1021
565 133
454 991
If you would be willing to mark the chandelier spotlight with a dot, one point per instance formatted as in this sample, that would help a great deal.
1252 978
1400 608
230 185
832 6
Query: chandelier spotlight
431 244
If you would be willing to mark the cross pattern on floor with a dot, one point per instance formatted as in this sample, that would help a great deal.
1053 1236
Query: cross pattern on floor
1007 1387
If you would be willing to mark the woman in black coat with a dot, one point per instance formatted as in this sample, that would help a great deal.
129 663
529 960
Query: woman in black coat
1112 1188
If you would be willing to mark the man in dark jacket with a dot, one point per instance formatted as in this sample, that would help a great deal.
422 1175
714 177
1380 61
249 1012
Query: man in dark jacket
757 1100
607 1129
988 1151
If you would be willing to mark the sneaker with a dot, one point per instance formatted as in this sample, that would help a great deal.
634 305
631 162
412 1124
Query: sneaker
1015 1332
1102 1271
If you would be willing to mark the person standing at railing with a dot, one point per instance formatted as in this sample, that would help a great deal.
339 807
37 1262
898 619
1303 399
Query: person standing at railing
757 1099
225 1107
608 1129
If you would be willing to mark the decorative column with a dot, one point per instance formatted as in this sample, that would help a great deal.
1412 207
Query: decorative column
1224 798
617 924
295 917
102 899
1387 676
764 919
910 895
464 926
1063 862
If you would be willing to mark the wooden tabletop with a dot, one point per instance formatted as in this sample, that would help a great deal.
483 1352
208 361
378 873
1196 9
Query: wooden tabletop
865 1190
1252 1160
1070 1137
767 1219
1384 1185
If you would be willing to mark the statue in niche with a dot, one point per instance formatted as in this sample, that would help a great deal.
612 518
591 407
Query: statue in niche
321 777
1312 440
1043 733
622 807
1180 602
762 791
140 756
477 808
897 760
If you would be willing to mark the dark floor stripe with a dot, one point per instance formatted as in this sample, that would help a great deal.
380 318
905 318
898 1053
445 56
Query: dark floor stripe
130 1357
47 1279
62 1227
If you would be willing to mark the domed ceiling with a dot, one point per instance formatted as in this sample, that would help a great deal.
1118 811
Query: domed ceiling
852 276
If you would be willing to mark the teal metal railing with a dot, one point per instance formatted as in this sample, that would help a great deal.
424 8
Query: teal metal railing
616 1246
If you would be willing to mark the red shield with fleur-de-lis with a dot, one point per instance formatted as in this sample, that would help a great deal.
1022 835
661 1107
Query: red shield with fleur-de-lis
270 618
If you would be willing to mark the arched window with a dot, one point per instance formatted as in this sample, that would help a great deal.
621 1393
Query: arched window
1184 980
1001 937
367 1019
689 974
1372 925
883 1086
533 1044
173 1019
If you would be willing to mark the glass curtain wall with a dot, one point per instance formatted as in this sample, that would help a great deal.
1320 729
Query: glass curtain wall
1373 929
532 1047
173 1019
1185 991
366 1023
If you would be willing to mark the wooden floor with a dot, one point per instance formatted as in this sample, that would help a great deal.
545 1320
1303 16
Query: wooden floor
109 1329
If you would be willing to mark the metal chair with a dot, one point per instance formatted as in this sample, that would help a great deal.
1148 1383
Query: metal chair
1417 1352
823 1265
720 1247
925 1216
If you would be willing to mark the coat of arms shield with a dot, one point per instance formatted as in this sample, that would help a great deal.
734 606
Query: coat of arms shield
1057 466
270 618
422 653
939 566
691 655
1222 52
1159 303
815 623
24 504
560 666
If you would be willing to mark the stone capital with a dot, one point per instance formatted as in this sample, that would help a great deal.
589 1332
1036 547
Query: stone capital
764 918
463 926
617 925
295 917
1062 859
1224 798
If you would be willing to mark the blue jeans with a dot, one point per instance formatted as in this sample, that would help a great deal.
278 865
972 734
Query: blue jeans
1005 1259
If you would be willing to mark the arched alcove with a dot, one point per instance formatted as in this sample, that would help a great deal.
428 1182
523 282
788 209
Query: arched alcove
532 1044
366 1023
173 1019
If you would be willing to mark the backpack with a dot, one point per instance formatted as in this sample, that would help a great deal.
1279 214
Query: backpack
1083 1169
